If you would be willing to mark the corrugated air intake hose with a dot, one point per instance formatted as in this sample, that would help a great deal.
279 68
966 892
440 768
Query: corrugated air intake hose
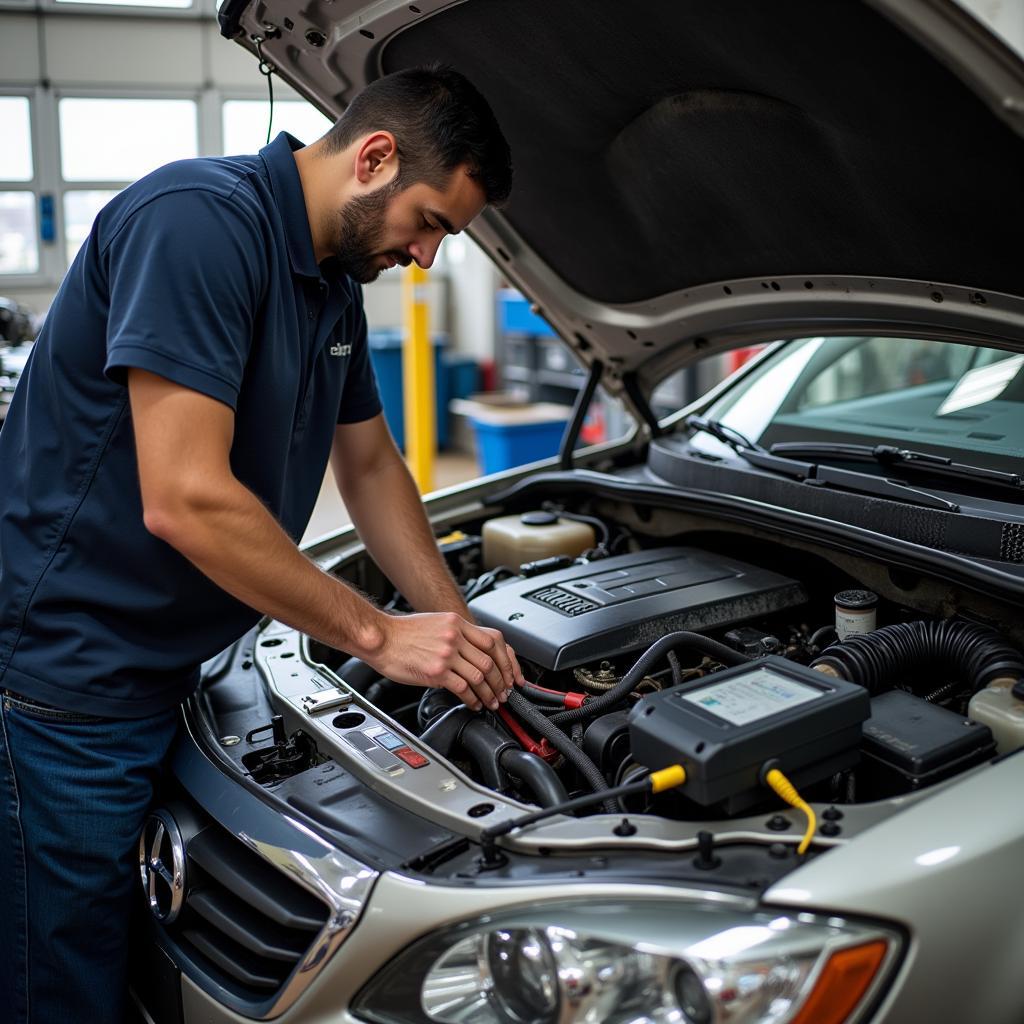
877 660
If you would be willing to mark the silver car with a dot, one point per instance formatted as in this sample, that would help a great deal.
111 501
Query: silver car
766 766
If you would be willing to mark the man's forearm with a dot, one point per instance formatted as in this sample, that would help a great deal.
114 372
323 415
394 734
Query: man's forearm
235 541
392 523
192 501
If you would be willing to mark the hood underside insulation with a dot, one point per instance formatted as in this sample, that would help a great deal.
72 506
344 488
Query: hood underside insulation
662 145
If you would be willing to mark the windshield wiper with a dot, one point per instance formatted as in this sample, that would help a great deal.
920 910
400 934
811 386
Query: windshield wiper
905 458
811 473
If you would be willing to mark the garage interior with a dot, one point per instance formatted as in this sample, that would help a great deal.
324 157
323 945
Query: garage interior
95 95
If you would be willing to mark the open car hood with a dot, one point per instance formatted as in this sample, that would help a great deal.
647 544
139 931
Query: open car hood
694 176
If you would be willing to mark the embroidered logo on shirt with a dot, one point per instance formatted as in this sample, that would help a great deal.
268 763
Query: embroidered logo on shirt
341 350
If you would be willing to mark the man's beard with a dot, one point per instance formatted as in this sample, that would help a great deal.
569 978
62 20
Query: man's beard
358 232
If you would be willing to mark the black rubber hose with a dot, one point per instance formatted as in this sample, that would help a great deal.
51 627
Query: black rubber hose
359 675
565 746
434 703
444 730
578 517
536 774
818 636
486 745
628 683
976 654
539 696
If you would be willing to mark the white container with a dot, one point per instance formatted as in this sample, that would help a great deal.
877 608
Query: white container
512 540
856 612
996 707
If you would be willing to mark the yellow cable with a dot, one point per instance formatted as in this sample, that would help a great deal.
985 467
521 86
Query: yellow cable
785 789
667 778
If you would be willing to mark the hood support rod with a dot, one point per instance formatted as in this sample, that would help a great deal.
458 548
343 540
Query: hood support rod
632 389
579 413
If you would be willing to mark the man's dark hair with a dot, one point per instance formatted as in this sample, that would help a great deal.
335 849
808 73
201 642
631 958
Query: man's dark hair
439 121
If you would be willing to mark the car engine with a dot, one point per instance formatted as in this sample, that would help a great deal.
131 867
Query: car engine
641 654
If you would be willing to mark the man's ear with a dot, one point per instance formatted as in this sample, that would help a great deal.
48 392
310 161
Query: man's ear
377 159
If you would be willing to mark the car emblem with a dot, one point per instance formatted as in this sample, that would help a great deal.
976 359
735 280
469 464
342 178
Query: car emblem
162 866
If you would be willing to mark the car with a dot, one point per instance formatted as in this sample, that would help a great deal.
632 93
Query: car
16 335
766 764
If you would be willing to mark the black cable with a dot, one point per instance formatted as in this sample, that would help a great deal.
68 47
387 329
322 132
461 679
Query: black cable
541 696
266 69
557 738
628 682
485 581
677 669
588 800
577 517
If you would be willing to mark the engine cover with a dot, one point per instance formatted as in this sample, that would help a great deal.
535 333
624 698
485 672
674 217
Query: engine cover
625 603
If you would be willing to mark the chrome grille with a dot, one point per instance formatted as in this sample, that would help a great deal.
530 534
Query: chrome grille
248 922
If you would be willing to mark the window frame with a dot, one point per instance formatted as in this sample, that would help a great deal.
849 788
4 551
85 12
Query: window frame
240 94
116 185
37 186
47 150
204 10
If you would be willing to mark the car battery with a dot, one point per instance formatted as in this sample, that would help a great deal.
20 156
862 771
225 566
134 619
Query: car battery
910 743
724 728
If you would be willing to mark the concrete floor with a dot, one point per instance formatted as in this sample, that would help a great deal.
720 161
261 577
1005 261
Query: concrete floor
329 512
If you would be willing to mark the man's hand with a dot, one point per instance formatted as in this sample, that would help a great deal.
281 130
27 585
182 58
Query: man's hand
442 649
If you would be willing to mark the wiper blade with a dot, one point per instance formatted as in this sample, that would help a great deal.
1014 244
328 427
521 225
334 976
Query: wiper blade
751 450
907 458
775 461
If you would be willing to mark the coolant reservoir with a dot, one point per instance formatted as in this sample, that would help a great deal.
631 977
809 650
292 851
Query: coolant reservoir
512 540
996 707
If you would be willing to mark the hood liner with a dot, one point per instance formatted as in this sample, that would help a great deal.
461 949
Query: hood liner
659 146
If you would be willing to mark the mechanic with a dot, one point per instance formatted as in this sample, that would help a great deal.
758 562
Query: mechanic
204 359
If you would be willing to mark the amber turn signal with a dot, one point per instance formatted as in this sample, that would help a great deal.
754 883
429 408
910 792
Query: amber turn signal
842 984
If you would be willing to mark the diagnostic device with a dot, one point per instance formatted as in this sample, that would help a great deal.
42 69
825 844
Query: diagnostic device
726 728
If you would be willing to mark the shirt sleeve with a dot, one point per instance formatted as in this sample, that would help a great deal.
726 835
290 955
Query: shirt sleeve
360 397
186 281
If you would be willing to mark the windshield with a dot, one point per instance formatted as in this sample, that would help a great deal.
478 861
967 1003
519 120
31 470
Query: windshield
962 401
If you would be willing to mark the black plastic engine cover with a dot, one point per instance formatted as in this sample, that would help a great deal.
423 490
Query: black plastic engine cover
625 603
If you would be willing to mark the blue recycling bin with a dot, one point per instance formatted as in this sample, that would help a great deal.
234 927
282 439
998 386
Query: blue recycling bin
512 433
504 445
386 357
516 317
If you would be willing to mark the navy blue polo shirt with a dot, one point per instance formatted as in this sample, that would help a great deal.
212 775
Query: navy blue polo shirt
204 273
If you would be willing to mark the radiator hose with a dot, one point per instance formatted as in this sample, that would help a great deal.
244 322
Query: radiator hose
877 660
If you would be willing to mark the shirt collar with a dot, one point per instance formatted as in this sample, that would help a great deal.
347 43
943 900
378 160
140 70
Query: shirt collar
287 188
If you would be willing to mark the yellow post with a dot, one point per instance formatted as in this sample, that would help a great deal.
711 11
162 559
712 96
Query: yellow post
418 380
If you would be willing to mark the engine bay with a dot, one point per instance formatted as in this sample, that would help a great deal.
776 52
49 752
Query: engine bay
614 627
649 648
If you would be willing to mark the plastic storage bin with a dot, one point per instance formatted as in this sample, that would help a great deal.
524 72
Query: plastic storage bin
516 317
386 356
509 435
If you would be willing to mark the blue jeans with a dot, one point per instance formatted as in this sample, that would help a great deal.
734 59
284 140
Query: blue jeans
74 791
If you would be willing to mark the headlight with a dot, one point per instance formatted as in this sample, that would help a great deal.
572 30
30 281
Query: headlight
635 963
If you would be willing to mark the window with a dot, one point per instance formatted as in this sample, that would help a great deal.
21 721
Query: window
16 151
105 140
245 123
19 244
962 401
106 143
80 209
19 248
178 4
